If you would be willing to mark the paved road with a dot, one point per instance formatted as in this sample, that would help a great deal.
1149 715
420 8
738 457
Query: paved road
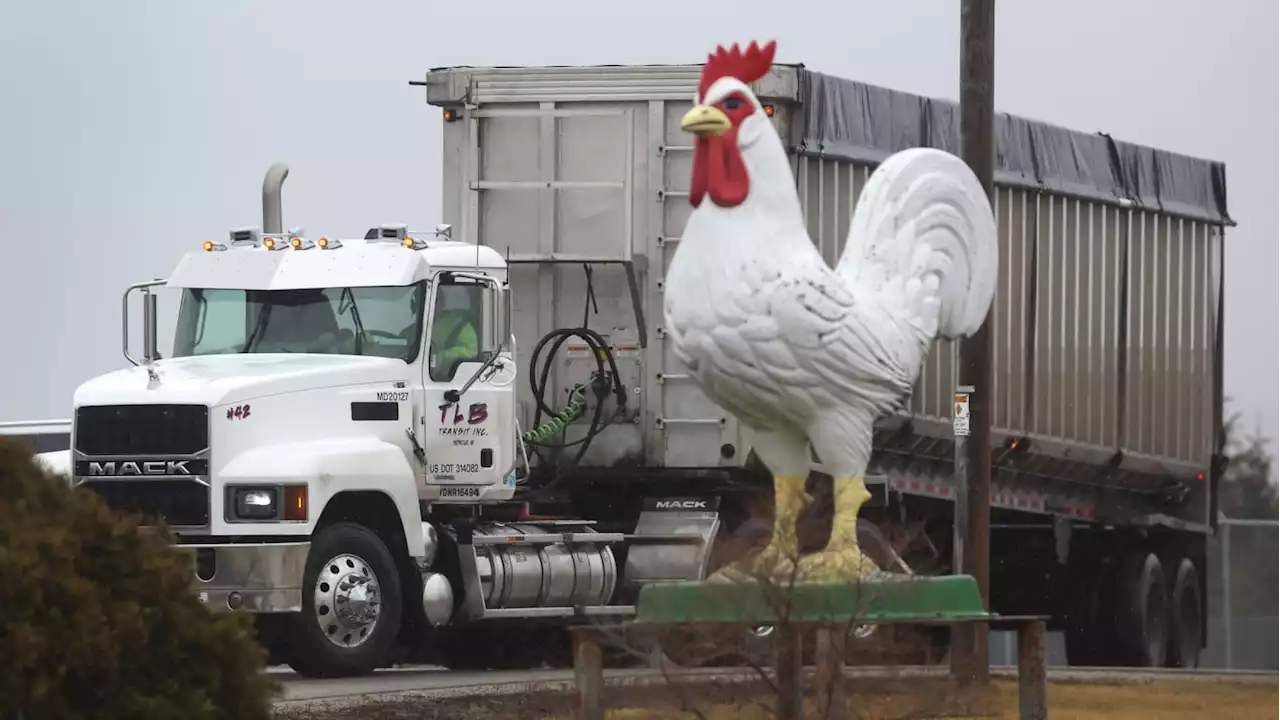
418 678
431 680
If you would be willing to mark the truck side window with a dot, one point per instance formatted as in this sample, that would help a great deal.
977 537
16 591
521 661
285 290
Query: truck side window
210 323
460 327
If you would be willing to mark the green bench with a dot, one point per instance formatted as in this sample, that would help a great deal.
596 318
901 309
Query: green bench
825 609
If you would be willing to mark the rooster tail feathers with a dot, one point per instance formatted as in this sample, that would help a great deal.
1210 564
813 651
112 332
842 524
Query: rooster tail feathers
923 230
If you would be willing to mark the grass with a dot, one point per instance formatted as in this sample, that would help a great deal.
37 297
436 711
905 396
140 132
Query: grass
878 700
1157 700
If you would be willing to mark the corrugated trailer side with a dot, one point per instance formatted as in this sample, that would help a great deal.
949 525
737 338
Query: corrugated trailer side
580 175
1106 321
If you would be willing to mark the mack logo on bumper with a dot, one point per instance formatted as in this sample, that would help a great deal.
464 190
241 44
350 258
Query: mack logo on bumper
141 468
681 503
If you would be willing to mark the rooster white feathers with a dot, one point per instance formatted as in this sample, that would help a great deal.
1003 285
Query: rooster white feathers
799 351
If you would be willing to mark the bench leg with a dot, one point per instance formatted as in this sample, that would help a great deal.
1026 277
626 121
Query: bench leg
829 689
789 665
1033 682
588 675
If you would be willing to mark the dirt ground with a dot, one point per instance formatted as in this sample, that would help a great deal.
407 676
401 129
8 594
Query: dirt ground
880 700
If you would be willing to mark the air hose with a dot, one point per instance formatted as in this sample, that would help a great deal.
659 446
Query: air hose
603 381
558 422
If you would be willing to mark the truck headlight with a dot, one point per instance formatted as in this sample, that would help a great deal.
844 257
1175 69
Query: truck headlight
266 503
256 503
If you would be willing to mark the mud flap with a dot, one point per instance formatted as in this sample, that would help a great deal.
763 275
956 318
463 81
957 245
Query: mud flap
673 541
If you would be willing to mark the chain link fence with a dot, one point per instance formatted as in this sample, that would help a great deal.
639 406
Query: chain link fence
1243 598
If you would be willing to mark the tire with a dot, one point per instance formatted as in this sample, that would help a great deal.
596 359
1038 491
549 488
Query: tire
326 641
1186 629
1142 611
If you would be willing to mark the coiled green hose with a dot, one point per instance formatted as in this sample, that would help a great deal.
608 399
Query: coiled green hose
558 422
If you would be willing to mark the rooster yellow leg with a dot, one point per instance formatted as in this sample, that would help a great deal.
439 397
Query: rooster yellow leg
786 454
842 559
778 558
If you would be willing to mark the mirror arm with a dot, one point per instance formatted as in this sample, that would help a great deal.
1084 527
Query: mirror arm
454 396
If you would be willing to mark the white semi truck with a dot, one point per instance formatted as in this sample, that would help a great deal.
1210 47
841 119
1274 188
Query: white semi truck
462 439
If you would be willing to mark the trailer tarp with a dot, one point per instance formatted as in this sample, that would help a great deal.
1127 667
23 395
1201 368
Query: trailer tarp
852 120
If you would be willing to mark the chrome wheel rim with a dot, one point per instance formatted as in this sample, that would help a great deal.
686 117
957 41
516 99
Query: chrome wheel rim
348 600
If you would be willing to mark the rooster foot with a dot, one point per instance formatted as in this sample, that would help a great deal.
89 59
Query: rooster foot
770 563
837 563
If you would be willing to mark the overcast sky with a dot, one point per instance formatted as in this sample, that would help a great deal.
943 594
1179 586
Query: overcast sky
131 131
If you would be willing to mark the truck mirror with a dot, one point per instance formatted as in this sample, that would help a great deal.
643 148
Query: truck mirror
149 351
149 336
503 310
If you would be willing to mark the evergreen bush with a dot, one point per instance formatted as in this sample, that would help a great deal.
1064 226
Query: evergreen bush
99 620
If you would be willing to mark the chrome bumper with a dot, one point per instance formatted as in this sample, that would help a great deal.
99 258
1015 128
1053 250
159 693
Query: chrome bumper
258 578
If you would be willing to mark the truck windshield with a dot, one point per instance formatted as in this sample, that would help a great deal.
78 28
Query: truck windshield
381 321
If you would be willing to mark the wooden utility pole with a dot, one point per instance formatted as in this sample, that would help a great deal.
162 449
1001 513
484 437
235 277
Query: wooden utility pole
970 652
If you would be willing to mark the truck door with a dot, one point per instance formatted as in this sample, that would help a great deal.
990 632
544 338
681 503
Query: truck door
470 441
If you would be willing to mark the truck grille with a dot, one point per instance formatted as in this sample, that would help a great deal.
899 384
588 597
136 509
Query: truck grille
141 430
180 503
130 439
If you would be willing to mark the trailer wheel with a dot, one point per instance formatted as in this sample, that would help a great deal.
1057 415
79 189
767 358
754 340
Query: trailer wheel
1185 622
1142 610
351 605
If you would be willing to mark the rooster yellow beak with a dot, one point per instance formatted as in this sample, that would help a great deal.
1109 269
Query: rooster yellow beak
705 121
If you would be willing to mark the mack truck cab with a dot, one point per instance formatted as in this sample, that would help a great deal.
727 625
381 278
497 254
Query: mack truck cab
333 440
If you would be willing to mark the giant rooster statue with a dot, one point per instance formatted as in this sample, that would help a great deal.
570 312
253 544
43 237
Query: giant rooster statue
798 351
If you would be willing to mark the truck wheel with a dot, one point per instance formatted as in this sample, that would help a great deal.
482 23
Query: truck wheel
1142 610
351 605
1185 628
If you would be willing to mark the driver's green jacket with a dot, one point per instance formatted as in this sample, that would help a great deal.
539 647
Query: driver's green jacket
453 338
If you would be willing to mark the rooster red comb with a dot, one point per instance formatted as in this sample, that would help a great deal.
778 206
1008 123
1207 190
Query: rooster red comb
746 66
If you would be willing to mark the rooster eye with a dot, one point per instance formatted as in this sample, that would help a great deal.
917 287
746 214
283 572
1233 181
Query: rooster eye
732 103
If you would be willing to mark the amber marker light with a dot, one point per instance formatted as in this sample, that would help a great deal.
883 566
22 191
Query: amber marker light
295 502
